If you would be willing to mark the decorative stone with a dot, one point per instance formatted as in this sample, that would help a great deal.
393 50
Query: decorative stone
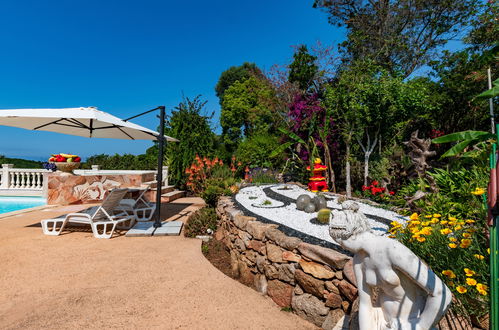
258 229
234 262
274 253
319 202
347 289
280 292
241 221
349 273
302 201
251 255
261 284
316 270
283 240
333 300
245 273
387 264
338 274
335 320
298 290
310 308
257 246
331 287
309 208
309 283
323 255
219 234
287 273
344 305
244 236
290 256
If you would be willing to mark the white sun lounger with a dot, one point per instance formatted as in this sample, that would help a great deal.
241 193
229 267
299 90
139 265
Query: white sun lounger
102 219
141 208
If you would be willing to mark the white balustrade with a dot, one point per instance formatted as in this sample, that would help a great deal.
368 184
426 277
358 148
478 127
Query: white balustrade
21 178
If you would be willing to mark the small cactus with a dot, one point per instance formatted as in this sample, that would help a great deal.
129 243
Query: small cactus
323 216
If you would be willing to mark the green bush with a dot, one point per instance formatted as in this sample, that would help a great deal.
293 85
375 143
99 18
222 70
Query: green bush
200 221
256 149
211 194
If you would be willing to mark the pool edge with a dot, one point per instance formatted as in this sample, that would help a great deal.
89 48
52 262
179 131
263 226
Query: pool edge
31 209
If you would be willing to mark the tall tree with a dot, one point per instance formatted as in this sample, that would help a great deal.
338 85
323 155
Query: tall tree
400 35
233 74
303 69
191 127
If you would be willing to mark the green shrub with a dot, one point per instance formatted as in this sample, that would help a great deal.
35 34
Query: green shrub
211 194
200 221
256 150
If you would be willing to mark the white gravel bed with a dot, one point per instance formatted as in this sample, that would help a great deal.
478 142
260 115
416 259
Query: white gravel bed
300 220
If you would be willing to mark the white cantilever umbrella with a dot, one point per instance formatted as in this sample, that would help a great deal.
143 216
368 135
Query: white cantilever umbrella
90 122
87 122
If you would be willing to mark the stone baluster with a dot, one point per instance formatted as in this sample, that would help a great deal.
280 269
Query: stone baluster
23 182
5 184
38 181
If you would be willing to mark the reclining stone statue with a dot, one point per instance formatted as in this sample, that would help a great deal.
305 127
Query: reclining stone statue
396 289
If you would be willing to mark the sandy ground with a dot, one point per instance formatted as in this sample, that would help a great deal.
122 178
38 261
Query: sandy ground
75 281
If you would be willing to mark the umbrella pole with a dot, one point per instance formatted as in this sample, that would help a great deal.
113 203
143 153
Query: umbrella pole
159 175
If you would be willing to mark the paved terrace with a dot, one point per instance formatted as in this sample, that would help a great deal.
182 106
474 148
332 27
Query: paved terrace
76 281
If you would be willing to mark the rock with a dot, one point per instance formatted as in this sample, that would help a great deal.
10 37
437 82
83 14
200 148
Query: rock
247 261
219 234
338 274
287 273
335 320
233 212
333 300
240 244
234 261
309 283
347 289
316 270
344 305
257 246
271 271
310 308
298 290
326 256
319 202
245 273
349 273
290 256
261 262
331 287
241 221
280 292
261 284
302 201
251 255
244 236
274 253
258 229
281 239
309 208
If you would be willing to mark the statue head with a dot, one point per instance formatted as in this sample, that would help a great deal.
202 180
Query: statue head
347 222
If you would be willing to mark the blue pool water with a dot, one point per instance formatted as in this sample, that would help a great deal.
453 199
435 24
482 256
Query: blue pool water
14 203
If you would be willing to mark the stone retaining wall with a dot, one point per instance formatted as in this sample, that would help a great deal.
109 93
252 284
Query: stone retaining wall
317 283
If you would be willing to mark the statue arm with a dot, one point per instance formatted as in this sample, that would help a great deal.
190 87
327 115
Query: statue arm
365 304
439 296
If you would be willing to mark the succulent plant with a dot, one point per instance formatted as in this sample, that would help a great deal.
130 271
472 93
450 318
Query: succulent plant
323 215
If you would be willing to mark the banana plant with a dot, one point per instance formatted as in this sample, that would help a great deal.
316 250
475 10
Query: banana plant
465 139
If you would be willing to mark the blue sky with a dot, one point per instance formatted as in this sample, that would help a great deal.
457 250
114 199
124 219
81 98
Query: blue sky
126 57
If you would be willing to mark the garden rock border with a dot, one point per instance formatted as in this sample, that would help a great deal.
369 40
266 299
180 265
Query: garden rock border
315 282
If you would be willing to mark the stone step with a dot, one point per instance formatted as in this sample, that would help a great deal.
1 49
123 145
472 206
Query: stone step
151 193
172 195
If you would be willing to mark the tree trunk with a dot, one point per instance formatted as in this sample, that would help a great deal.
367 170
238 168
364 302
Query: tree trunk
347 171
331 179
366 167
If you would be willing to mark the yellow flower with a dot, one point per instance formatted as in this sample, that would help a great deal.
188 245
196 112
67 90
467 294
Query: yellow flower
421 239
414 230
482 292
481 286
414 216
445 231
452 239
458 227
466 235
395 224
469 272
488 250
465 242
452 218
428 216
392 236
434 220
470 221
425 223
451 283
415 222
449 273
478 191
452 245
443 222
436 215
461 289
426 231
479 256
471 281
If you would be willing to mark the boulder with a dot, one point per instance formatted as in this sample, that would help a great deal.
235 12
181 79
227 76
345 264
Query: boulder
323 255
298 290
240 246
349 273
281 239
274 253
333 300
347 289
261 262
287 273
271 271
335 320
258 229
309 283
331 287
310 308
316 270
280 292
241 221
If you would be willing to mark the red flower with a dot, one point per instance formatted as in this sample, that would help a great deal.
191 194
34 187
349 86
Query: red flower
392 193
375 183
364 188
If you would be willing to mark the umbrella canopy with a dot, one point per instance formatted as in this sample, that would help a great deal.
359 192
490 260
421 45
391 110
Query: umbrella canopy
86 122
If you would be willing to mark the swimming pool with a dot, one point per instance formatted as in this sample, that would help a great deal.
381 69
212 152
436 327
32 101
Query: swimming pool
15 203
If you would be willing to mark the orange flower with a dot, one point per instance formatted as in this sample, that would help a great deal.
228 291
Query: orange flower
471 281
461 289
449 273
469 272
